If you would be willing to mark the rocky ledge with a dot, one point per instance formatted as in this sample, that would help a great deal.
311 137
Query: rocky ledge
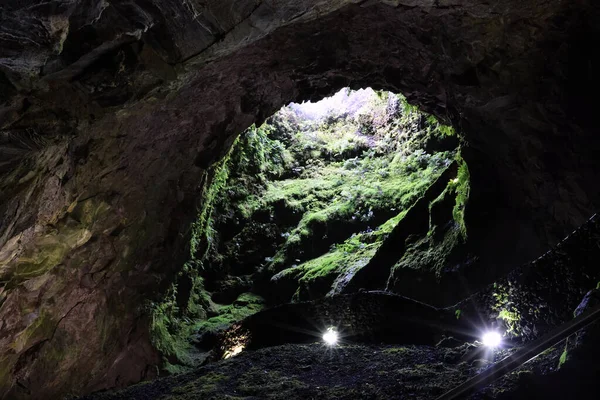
112 112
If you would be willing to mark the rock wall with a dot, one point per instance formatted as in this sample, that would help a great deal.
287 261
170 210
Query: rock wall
543 294
110 113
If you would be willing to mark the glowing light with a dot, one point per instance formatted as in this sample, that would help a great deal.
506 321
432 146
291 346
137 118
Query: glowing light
491 339
345 101
330 337
233 351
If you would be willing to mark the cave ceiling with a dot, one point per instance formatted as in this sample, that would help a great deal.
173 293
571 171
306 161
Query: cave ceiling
110 112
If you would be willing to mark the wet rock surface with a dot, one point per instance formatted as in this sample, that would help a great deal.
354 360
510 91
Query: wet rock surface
377 356
372 317
365 371
537 296
527 303
106 134
349 371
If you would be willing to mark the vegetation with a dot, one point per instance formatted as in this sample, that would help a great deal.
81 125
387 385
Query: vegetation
461 186
457 313
293 371
563 357
443 247
298 206
507 309
170 335
245 305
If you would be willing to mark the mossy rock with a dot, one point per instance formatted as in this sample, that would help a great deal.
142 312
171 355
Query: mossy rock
43 254
295 210
245 305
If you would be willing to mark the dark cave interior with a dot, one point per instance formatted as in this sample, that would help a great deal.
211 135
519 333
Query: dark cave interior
114 119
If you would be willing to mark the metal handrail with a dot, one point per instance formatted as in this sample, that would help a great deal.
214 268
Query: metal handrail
523 355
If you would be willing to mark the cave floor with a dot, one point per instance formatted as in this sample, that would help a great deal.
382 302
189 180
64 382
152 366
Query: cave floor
348 371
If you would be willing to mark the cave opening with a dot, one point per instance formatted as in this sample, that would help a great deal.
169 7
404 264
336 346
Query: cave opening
357 191
137 106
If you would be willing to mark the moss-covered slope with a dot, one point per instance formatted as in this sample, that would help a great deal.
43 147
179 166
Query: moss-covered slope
303 203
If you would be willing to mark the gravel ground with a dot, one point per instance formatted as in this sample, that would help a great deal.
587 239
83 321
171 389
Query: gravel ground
347 371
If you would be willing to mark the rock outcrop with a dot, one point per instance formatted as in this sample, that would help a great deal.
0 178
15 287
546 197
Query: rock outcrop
111 112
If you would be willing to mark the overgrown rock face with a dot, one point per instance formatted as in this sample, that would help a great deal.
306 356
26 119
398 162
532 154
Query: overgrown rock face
111 113
315 202
305 201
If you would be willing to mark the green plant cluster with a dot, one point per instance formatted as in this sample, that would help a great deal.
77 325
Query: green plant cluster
337 201
461 186
506 309
564 357
245 305
443 247
170 331
432 252
308 201
244 171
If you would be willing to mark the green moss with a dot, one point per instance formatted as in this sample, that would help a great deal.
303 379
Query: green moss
506 310
89 211
509 316
436 128
170 333
46 253
363 197
334 262
563 357
203 385
462 188
418 371
6 365
311 200
436 251
171 325
398 351
409 109
257 381
432 252
511 319
329 273
42 328
245 305
203 232
389 225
